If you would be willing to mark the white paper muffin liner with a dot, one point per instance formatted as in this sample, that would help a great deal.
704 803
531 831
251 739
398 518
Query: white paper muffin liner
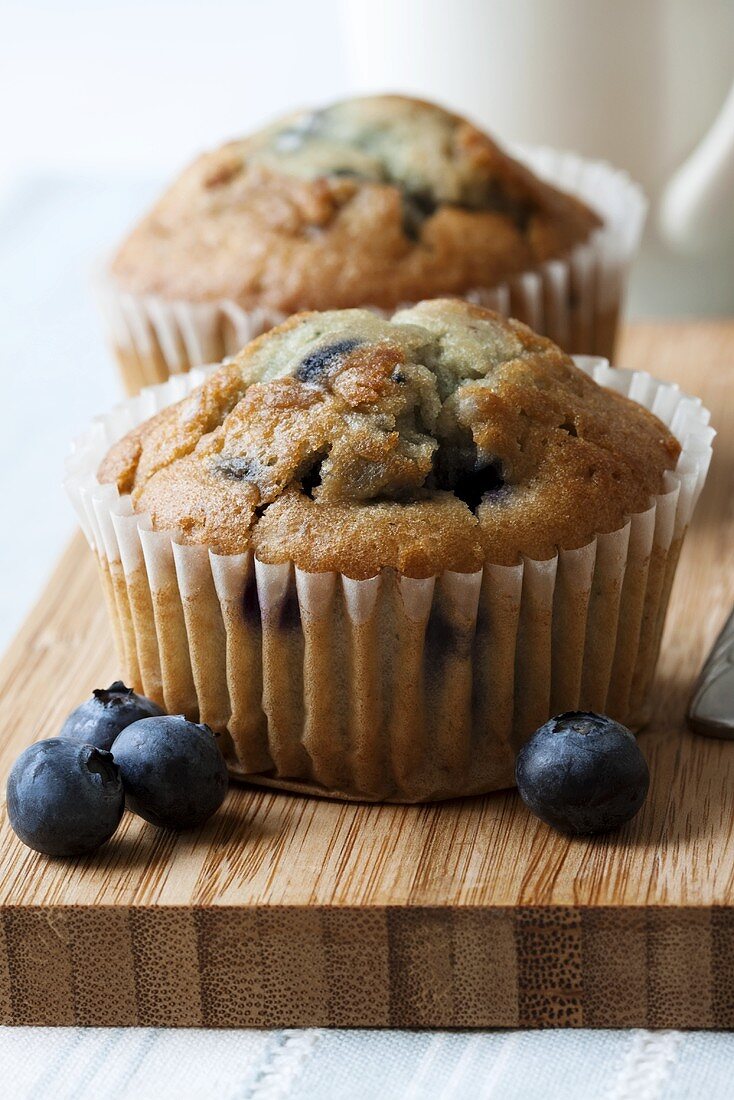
390 688
574 300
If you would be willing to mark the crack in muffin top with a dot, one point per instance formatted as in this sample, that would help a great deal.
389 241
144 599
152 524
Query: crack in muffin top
373 201
442 439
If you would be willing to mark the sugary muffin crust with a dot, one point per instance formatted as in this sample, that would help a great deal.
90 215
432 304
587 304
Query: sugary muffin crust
375 201
444 438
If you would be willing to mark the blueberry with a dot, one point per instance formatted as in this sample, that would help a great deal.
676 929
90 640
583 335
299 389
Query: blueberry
582 773
172 770
237 468
470 476
346 173
418 206
309 475
473 486
320 362
99 721
64 799
300 131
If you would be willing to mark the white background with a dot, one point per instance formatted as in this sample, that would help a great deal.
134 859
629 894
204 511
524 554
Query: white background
142 85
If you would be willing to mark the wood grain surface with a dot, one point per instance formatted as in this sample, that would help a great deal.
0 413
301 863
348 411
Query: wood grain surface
286 911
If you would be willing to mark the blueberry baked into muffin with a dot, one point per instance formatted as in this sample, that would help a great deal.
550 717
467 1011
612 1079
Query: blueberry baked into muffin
374 202
377 554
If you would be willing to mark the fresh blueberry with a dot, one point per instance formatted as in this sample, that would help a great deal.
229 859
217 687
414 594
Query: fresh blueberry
320 362
582 773
64 799
172 770
100 719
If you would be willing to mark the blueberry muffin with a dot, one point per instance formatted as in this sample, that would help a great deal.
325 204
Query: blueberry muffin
371 201
374 202
444 437
365 515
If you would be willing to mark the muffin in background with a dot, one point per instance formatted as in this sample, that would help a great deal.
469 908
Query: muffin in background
376 555
378 203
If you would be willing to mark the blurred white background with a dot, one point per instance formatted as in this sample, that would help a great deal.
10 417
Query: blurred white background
138 86
104 100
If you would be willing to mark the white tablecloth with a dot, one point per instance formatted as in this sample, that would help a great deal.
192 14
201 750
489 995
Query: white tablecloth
55 374
141 1064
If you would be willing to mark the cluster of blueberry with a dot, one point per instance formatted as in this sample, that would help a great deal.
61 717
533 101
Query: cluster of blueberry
580 772
66 795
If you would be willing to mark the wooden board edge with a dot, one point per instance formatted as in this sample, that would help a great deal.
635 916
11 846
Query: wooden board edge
406 967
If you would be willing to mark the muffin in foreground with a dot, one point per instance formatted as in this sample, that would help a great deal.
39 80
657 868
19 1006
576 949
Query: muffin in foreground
377 555
374 202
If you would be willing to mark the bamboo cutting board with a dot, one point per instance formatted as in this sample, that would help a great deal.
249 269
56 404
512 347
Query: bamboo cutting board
285 911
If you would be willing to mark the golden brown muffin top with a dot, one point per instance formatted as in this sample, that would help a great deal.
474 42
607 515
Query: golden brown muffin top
441 439
376 201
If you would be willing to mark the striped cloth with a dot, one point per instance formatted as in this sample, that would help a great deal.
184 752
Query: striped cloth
314 1064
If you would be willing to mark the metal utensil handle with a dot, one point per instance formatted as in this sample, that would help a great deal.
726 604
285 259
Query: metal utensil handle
711 710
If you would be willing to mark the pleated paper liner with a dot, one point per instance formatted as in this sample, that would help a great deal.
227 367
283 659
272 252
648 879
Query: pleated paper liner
574 300
390 688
